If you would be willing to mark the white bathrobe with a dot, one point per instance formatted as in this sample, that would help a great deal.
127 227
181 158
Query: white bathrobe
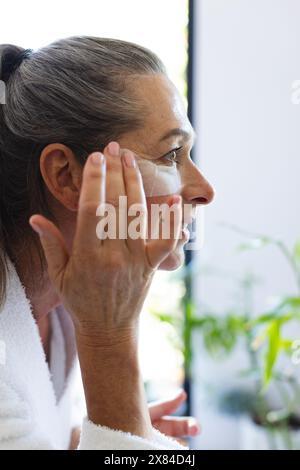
35 402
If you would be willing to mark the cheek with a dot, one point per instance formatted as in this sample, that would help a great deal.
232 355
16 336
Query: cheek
159 179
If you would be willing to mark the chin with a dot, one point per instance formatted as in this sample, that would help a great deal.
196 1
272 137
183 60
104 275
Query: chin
173 261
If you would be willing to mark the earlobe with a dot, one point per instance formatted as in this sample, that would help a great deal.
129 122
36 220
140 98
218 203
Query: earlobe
61 174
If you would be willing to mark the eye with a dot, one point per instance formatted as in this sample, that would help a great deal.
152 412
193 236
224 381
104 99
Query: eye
172 157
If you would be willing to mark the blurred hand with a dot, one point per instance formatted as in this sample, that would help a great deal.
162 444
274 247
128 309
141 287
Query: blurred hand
171 425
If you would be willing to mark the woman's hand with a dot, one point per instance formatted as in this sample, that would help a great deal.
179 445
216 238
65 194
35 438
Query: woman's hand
103 283
171 425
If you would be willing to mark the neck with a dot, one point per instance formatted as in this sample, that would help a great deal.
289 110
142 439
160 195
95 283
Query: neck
40 292
38 287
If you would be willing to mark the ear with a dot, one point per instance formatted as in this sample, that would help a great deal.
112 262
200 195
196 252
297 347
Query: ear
62 174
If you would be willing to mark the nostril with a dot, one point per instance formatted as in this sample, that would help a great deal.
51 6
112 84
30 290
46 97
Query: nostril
200 200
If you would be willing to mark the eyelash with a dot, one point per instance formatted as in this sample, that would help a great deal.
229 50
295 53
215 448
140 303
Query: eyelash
176 152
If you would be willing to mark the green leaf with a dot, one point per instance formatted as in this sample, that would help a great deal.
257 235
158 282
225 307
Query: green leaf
274 340
198 322
163 317
265 318
296 251
286 344
290 302
288 309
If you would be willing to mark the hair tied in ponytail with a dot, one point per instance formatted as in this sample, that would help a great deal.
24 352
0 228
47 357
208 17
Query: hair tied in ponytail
18 59
12 61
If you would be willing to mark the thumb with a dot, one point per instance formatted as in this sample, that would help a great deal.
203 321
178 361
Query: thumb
54 247
161 408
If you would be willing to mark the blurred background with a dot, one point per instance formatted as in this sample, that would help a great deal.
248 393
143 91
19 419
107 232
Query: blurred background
226 325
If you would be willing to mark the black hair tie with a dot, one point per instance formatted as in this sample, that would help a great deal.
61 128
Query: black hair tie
13 61
20 57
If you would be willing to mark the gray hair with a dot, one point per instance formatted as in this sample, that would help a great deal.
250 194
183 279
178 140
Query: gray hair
78 91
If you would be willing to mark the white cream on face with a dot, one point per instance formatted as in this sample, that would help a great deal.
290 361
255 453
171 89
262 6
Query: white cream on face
159 180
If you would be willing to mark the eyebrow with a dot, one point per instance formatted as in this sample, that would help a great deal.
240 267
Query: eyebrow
178 132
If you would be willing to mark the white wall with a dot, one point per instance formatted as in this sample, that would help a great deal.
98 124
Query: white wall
248 55
155 24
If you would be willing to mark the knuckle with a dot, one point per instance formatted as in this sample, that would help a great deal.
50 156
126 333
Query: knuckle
112 201
134 182
133 175
113 164
95 173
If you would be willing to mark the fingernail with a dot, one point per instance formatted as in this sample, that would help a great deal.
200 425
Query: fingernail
114 149
97 158
36 228
129 159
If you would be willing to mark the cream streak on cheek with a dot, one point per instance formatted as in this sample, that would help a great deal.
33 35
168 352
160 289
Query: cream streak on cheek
159 180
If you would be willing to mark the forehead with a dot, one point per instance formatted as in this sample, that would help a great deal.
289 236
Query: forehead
164 107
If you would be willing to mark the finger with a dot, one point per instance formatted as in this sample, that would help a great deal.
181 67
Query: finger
115 186
136 200
165 407
54 247
170 232
92 195
116 194
178 427
75 438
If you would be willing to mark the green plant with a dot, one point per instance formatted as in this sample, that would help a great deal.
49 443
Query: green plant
285 311
263 337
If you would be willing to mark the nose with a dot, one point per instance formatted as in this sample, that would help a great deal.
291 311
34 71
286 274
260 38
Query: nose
196 189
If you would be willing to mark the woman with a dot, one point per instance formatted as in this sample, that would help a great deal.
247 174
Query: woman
78 116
